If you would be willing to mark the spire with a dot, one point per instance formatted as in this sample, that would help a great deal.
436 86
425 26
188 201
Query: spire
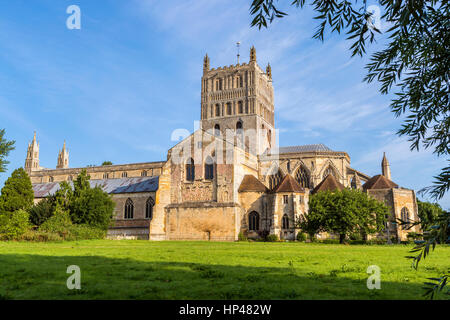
63 158
269 71
206 63
385 167
32 159
252 54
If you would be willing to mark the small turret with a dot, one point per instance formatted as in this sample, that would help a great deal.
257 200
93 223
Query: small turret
206 64
252 54
385 168
269 71
63 158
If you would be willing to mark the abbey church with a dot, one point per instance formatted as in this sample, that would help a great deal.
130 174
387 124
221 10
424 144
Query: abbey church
229 176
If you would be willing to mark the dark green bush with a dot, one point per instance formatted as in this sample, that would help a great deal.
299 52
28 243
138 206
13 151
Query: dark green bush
40 212
272 238
301 237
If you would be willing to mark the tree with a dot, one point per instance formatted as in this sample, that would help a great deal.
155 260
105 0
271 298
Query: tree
432 235
42 211
344 212
88 205
107 163
17 193
414 64
14 224
5 147
428 213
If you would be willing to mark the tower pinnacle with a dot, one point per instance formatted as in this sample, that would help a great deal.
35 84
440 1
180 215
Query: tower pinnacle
252 54
63 158
385 167
206 65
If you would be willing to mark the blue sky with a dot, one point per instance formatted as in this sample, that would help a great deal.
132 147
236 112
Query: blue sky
116 89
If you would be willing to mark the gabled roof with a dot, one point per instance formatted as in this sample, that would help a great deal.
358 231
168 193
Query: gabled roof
112 186
379 182
329 184
251 184
288 184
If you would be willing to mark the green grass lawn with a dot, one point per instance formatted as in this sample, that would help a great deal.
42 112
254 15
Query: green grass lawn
209 270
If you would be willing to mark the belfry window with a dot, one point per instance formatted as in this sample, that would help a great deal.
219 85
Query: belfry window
129 209
149 208
253 221
217 110
209 169
229 111
190 170
240 109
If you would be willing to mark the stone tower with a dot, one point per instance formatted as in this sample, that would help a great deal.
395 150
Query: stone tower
32 159
239 98
385 168
63 158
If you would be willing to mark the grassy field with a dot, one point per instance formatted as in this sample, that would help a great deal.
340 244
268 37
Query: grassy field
209 270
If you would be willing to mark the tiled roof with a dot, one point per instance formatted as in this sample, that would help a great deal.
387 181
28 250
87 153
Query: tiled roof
304 148
379 182
288 184
112 186
251 183
328 184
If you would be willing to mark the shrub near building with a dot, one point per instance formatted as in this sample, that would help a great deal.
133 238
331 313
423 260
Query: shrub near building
70 214
16 197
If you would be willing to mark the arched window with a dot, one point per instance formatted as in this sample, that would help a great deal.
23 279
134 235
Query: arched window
253 221
124 174
149 208
240 108
238 126
217 130
144 173
190 170
275 179
405 217
51 179
209 168
217 110
285 222
129 209
327 172
229 112
302 177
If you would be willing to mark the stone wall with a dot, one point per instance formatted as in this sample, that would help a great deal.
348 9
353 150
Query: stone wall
202 221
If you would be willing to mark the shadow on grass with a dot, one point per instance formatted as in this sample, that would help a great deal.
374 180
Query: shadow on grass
44 277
